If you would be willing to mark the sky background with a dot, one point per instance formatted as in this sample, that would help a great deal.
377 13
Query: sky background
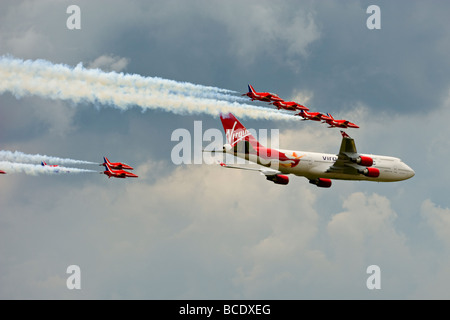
202 232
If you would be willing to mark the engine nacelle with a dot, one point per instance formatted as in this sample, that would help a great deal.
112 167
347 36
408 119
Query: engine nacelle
371 172
279 179
321 182
227 147
364 161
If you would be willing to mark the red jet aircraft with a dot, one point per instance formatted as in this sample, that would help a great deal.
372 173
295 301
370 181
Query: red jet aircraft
2 172
339 123
315 116
289 105
115 165
44 164
261 96
118 173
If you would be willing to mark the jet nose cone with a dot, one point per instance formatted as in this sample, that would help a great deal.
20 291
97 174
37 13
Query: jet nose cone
410 172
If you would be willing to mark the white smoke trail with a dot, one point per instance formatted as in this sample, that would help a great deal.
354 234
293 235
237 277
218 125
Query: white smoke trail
34 169
58 81
18 156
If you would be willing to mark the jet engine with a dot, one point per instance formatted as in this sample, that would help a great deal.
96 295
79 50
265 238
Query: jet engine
279 179
321 182
364 161
371 172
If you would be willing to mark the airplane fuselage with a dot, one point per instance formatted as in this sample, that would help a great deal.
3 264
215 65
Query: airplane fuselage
313 165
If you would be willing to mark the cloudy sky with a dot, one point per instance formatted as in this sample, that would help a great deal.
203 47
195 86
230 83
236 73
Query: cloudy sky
197 231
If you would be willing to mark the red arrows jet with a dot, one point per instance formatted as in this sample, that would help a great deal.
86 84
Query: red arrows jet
289 105
118 173
315 116
115 165
339 123
2 172
44 164
261 96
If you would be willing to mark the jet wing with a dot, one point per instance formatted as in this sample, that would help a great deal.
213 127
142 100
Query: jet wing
272 175
130 175
347 156
265 171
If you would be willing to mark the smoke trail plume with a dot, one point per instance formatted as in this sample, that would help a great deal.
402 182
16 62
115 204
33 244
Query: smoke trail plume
18 156
58 81
34 169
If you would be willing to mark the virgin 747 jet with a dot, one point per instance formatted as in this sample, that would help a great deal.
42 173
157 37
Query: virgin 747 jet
318 168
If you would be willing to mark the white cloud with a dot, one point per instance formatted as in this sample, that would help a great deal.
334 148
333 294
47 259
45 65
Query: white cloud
434 281
217 229
234 235
366 225
365 234
302 96
438 219
109 63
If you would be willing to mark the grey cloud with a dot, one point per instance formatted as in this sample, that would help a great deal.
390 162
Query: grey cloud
200 231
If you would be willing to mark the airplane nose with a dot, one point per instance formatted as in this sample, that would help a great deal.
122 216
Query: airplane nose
410 172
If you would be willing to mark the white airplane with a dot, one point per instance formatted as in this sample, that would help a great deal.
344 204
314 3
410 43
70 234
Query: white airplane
318 168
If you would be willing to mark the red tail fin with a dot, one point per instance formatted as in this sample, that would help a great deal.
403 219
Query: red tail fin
107 167
236 132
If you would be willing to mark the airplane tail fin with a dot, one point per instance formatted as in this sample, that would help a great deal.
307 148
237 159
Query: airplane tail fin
107 167
236 132
251 89
43 163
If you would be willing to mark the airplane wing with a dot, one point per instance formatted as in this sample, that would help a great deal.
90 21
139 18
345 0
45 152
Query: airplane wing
131 175
264 171
272 175
348 158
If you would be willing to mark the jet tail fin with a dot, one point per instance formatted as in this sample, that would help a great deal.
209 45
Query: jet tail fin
236 132
106 165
